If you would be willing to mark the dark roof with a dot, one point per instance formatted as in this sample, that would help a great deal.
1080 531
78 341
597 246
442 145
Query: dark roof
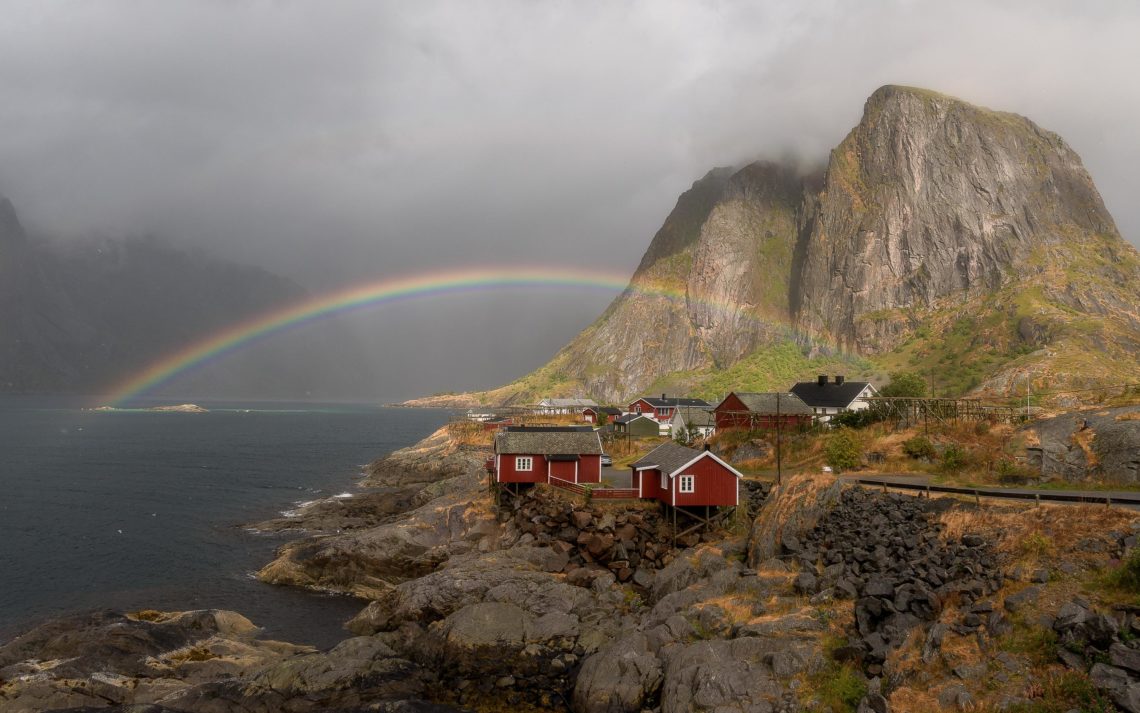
829 395
695 416
550 429
673 401
766 402
632 417
667 457
545 442
611 410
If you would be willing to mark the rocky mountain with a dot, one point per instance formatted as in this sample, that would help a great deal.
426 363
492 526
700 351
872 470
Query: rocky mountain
941 237
83 318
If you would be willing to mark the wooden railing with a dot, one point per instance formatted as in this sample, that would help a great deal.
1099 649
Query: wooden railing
599 493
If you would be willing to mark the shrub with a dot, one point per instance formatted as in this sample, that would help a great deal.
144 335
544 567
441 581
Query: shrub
840 688
1011 473
857 419
905 383
981 428
954 458
1127 575
843 450
919 447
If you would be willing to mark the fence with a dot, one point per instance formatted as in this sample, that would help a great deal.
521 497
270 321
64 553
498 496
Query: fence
594 493
1038 497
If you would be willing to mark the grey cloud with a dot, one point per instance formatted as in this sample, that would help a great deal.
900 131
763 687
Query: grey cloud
344 141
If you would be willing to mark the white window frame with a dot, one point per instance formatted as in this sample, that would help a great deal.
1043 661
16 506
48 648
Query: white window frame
691 480
664 482
637 409
524 464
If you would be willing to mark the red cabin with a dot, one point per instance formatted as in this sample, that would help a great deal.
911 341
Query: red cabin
754 411
684 477
538 454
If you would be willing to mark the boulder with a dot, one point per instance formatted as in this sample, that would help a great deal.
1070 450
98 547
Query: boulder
792 509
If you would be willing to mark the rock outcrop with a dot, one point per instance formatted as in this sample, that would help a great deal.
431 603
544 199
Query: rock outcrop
1101 445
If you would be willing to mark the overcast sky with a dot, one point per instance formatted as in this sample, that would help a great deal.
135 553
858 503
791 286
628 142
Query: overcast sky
341 141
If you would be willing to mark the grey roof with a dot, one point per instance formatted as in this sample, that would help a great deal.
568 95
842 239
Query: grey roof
673 401
696 416
667 457
830 395
632 417
548 442
766 402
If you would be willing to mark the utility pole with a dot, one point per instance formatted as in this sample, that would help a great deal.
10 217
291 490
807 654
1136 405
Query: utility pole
779 430
1028 379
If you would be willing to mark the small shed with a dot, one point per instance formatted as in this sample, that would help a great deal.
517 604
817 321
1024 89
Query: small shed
698 420
750 410
635 425
541 454
684 477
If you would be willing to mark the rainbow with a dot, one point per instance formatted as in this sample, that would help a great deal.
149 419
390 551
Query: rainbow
372 294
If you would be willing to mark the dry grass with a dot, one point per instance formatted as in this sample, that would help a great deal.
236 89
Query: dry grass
909 700
1084 440
1032 534
1130 416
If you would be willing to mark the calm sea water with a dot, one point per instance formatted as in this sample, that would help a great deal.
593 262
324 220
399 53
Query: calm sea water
135 509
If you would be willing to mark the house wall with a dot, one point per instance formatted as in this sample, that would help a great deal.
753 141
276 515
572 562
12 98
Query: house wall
715 485
508 474
566 470
643 427
590 469
650 484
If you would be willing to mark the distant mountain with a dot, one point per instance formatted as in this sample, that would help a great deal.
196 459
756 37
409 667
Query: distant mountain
84 318
942 237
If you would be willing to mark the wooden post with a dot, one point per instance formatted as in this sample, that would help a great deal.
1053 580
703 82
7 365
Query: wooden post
674 507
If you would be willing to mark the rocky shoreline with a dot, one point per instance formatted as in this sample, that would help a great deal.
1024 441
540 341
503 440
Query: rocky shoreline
827 599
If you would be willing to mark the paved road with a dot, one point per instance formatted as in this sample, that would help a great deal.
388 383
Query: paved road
620 478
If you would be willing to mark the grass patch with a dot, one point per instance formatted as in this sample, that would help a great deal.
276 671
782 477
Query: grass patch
839 688
1066 691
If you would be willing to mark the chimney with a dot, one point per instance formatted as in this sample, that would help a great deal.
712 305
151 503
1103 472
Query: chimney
838 379
821 379
707 447
662 397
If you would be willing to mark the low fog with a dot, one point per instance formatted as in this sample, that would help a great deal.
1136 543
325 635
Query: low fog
340 142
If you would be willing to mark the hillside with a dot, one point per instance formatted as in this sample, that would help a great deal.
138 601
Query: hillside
942 237
78 320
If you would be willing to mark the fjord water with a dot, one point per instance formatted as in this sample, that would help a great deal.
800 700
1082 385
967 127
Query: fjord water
141 509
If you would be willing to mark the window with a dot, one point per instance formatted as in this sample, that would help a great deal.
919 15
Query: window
524 463
637 409
688 483
664 482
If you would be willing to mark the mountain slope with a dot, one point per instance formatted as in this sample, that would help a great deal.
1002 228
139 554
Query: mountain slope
942 237
80 320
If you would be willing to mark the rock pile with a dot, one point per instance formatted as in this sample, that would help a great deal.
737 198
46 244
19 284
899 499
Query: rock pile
1103 645
886 552
598 540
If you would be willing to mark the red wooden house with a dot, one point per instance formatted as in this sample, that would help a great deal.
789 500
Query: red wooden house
684 477
537 454
662 409
752 411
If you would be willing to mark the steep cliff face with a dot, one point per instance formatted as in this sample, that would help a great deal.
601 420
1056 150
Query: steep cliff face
712 287
930 197
943 237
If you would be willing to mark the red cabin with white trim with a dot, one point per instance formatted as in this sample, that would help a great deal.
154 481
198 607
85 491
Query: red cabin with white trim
541 454
684 477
